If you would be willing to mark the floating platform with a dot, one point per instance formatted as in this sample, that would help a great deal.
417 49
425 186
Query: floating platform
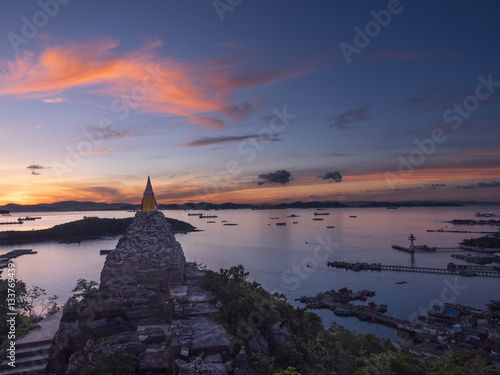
428 249
5 258
11 222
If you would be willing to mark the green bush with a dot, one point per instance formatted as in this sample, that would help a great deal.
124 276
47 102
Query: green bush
116 363
314 350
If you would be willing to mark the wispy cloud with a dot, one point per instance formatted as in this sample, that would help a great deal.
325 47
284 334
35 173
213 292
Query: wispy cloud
55 100
200 91
207 141
279 177
352 116
433 186
35 168
487 152
331 177
492 184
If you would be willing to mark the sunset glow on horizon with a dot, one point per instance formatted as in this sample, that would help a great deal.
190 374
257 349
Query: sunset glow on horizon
217 109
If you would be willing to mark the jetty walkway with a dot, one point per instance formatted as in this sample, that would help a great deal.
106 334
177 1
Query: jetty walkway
483 271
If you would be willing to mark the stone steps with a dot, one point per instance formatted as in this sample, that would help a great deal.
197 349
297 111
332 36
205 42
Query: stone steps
34 349
31 359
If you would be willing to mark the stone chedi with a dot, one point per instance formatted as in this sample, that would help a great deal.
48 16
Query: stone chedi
148 200
149 303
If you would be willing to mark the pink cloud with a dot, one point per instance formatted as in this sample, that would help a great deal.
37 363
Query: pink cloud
201 91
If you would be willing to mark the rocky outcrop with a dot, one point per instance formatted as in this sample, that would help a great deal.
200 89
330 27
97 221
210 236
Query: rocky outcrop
147 255
150 304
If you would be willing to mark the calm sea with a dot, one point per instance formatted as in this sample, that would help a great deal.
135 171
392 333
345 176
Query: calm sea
291 259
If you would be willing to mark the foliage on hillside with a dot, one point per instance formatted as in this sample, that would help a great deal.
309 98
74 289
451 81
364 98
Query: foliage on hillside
247 309
492 242
21 301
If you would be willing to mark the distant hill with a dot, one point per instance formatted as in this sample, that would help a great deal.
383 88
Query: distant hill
96 206
411 204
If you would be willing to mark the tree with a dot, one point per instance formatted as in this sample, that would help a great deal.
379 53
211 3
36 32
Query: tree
47 306
458 363
82 287
13 299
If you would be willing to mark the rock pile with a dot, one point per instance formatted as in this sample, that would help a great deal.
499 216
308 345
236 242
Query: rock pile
149 304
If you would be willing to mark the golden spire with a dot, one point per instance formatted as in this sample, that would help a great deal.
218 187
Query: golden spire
148 200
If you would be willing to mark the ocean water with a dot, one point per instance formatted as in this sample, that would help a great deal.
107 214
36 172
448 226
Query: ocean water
291 259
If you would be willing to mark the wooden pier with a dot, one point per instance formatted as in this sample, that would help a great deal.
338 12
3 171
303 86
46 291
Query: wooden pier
479 271
7 257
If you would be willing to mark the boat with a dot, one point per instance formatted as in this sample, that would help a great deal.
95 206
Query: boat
293 215
468 273
382 308
90 217
321 213
210 221
207 216
295 222
223 221
230 224
280 223
488 214
331 226
194 214
318 218
274 218
353 216
27 218
343 312
73 241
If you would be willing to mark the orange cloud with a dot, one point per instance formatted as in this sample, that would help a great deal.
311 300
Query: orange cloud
139 78
490 151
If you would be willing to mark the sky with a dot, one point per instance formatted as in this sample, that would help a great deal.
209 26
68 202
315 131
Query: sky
249 101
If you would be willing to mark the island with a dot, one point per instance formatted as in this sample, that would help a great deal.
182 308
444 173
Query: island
88 228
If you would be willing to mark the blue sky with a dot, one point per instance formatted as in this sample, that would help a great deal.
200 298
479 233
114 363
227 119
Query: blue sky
214 100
